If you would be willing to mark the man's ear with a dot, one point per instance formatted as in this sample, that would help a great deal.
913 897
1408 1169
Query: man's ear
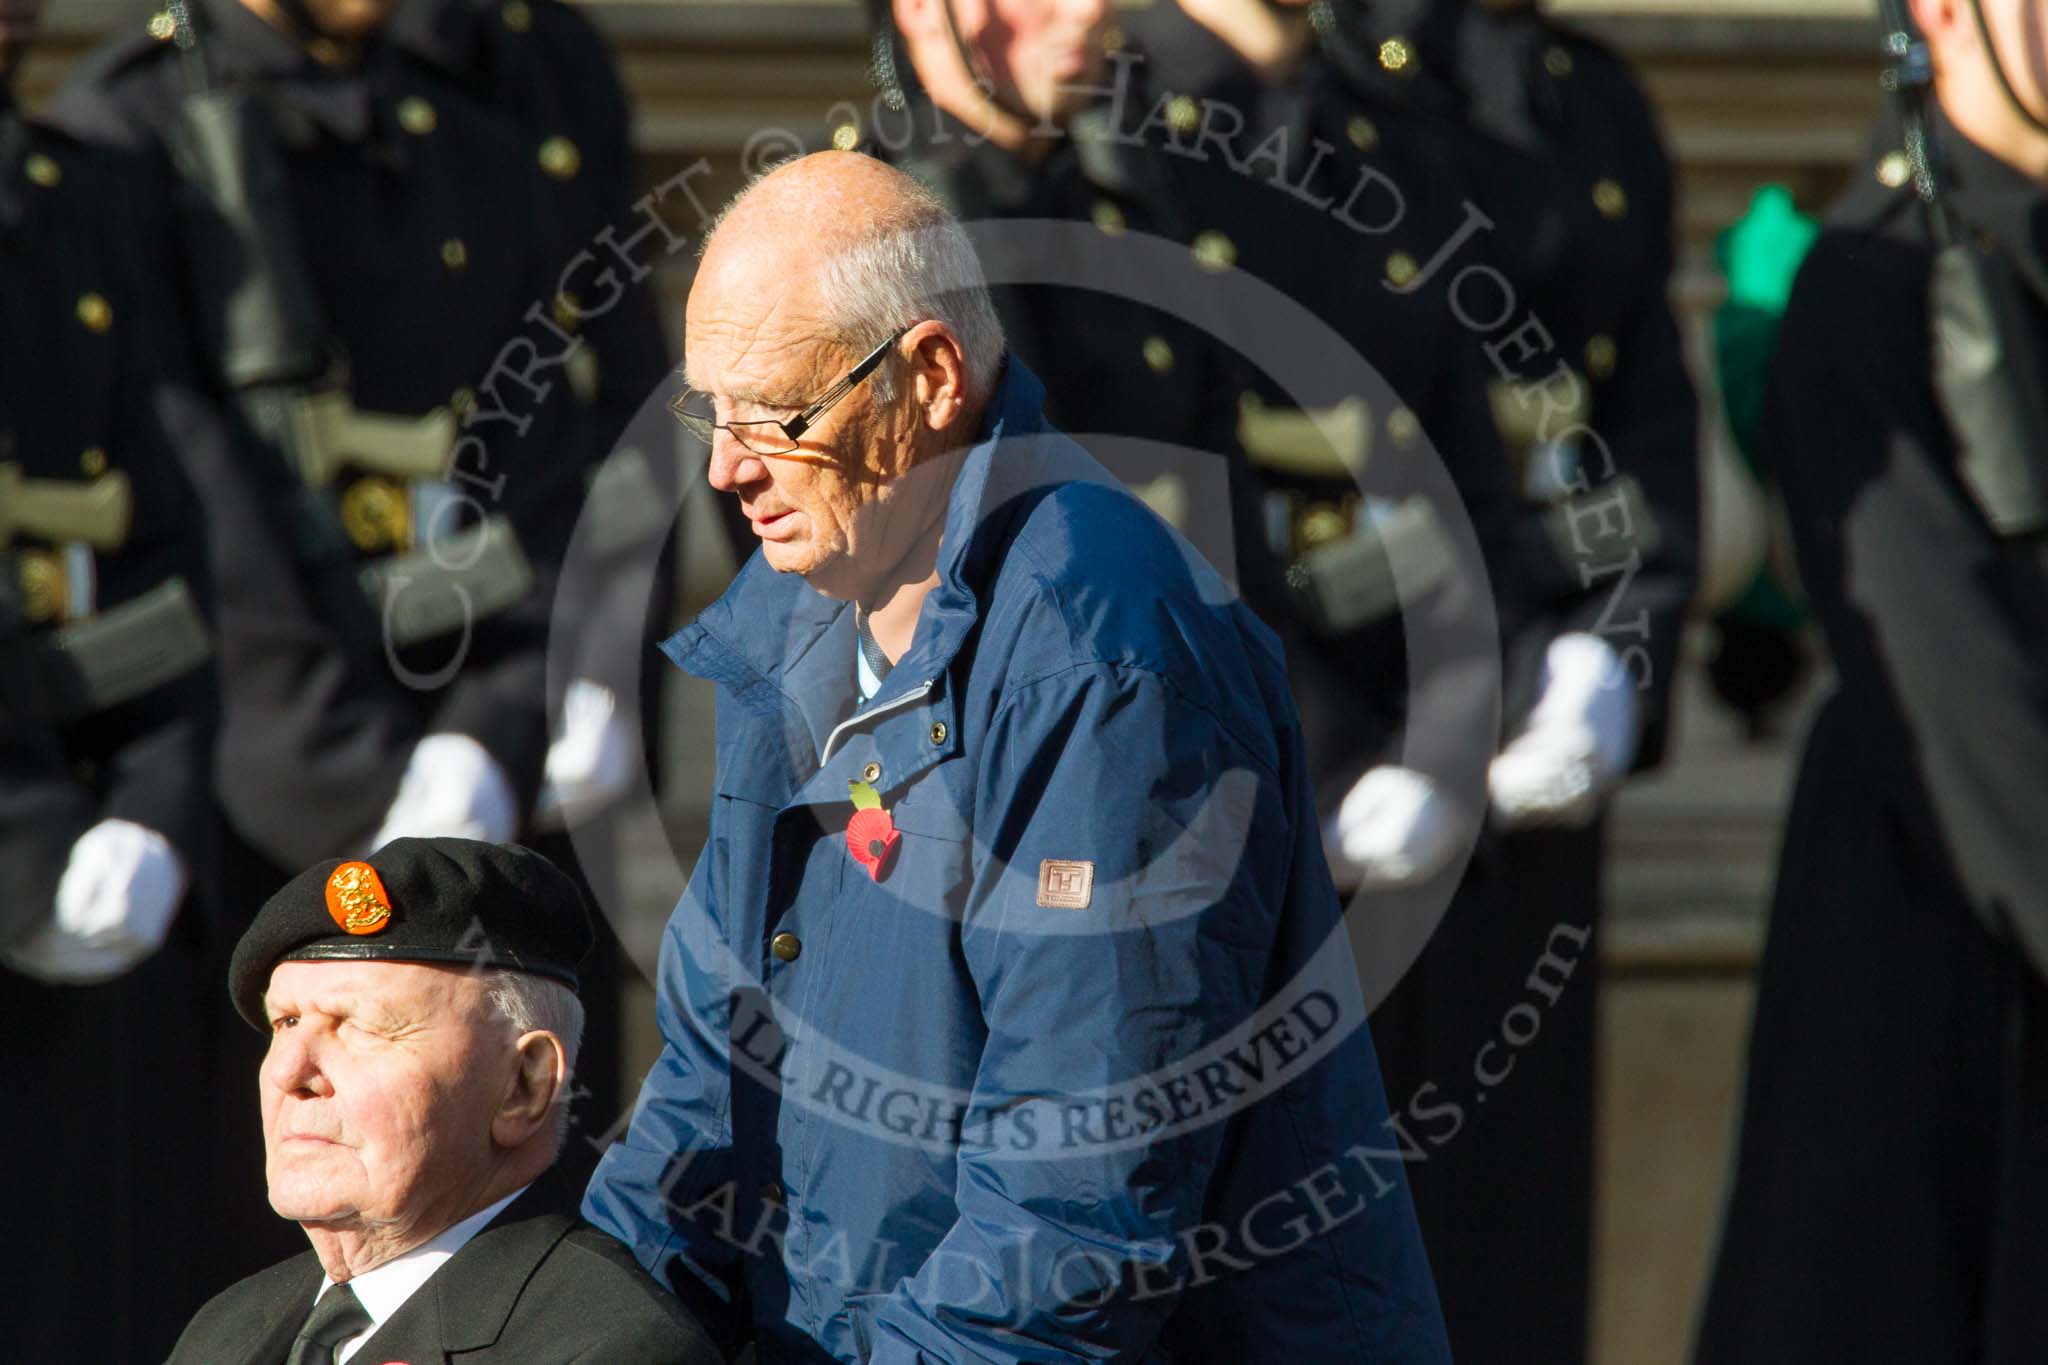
938 372
538 1079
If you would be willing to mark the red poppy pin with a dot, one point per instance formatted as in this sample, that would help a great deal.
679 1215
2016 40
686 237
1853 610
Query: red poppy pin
871 835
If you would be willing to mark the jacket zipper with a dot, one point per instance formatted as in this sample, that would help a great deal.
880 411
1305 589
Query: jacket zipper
862 717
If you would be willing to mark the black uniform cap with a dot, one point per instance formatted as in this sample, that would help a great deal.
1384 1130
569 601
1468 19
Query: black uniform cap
455 901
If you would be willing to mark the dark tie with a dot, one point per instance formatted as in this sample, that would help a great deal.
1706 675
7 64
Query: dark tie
338 1316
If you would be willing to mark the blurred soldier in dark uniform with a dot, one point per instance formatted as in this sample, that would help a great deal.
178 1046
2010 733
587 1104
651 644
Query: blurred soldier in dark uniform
1892 1168
1310 178
1562 287
1027 120
999 119
542 64
371 262
107 960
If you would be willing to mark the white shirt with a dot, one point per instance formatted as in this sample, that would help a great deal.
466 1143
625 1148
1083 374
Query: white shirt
383 1291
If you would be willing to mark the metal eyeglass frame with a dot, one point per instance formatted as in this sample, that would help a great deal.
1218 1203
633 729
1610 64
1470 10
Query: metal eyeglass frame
705 428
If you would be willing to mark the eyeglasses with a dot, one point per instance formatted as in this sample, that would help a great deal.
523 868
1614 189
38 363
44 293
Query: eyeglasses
698 412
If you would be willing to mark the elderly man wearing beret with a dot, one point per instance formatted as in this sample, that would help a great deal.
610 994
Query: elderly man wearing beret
1009 1014
423 1024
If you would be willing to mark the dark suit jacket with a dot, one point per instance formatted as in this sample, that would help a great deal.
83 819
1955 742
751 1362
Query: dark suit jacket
537 1286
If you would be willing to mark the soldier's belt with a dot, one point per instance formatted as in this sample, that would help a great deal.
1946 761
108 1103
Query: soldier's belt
1524 424
113 657
329 432
61 510
459 579
1325 443
1361 579
1598 529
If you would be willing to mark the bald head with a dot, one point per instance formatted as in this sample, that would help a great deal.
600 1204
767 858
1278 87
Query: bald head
817 266
820 205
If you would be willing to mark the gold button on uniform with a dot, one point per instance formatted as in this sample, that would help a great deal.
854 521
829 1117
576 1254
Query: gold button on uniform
1322 523
92 461
559 158
95 312
1214 251
518 15
1361 132
1397 56
162 27
1600 355
938 732
1557 61
42 170
1402 426
1401 267
45 590
773 1193
416 116
1894 169
786 947
846 137
454 254
1158 354
1182 114
1609 198
871 774
376 515
1107 216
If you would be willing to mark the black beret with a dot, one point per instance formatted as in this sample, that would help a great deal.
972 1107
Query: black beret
456 901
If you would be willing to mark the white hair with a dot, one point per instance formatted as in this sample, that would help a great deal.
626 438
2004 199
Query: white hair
920 265
537 1003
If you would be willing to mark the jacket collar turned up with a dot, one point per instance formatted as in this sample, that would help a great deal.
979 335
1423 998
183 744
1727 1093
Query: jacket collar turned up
781 648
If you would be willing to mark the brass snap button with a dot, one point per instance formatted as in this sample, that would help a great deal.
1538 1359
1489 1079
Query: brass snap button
787 947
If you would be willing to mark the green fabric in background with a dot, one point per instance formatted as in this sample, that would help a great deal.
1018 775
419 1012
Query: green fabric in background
1759 254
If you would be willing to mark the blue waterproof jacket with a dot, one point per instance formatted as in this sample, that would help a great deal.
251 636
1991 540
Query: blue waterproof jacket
1077 1070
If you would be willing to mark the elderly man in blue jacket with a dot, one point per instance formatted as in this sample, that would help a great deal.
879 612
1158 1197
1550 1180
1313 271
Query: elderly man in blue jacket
1008 1014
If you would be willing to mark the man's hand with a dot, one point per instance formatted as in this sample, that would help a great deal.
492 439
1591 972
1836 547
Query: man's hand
590 764
1578 743
1395 827
451 787
114 906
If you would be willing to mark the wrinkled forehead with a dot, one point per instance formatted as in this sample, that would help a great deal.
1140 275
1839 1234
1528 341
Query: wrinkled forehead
366 989
755 326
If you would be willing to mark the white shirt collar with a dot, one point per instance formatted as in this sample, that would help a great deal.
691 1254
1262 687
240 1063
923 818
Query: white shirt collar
383 1291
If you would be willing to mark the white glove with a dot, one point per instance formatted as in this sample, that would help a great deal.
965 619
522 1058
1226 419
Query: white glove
451 787
1395 827
1578 743
590 764
115 903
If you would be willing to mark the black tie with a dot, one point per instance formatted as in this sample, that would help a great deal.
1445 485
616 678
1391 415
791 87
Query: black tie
870 648
337 1316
